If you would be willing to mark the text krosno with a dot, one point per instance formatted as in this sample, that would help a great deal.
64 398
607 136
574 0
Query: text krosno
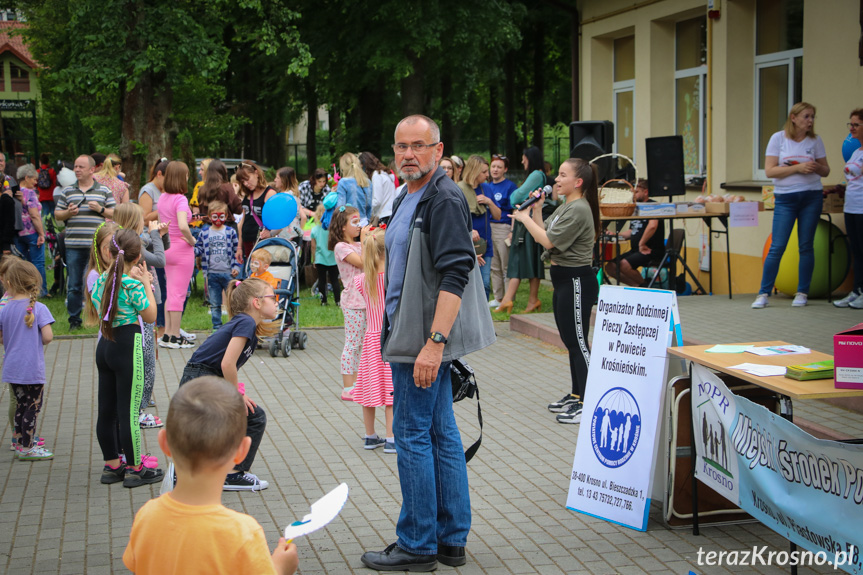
760 556
810 469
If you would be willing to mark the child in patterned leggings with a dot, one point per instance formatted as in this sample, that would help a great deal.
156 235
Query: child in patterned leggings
25 327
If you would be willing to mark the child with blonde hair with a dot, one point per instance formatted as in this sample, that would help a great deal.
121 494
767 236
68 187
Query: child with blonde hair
343 238
354 187
325 258
25 328
252 306
259 263
131 217
374 387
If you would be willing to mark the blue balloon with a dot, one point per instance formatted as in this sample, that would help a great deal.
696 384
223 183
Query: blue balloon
848 146
279 211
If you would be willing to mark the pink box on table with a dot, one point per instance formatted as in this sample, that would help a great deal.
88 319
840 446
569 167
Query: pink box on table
848 358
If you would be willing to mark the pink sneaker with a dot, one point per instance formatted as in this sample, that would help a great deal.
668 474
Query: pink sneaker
148 460
348 395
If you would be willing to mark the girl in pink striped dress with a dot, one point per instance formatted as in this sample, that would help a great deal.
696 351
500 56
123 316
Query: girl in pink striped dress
374 385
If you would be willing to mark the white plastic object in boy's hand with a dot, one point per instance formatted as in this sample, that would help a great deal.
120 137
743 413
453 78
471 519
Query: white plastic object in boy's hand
324 510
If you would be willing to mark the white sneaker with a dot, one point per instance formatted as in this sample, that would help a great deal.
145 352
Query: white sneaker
857 303
494 303
760 302
800 300
187 335
846 301
169 342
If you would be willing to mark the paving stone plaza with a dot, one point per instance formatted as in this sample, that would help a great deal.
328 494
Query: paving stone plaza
55 516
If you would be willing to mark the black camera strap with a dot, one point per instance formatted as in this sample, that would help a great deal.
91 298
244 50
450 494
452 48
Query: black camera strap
467 387
471 451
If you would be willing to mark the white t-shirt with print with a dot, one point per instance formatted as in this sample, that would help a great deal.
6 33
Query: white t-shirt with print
791 153
854 183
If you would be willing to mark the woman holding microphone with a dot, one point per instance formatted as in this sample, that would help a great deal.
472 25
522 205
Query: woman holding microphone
568 236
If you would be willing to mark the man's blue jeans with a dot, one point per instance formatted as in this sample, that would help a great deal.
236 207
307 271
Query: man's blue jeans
432 469
76 267
805 209
216 282
33 254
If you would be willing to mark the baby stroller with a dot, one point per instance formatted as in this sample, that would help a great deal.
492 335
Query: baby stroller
284 268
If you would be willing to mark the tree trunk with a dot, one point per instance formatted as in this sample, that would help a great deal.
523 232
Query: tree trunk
412 89
371 116
538 84
447 134
311 128
509 109
335 119
493 119
147 132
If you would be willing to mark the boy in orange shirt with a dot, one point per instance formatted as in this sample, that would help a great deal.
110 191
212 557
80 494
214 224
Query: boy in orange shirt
188 530
260 263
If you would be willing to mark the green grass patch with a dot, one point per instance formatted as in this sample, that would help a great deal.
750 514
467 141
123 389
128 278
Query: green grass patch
311 312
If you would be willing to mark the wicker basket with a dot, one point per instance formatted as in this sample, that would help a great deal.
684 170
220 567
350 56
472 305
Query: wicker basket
617 210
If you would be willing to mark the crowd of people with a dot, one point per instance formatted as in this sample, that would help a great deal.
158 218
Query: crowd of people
413 267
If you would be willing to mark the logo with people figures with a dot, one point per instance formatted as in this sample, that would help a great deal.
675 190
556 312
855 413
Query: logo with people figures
615 427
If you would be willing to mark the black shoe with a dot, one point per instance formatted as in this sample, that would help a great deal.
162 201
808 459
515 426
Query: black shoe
142 476
74 324
451 556
110 476
394 558
572 415
563 404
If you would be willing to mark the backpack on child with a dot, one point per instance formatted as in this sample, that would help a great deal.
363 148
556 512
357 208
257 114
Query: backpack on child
43 181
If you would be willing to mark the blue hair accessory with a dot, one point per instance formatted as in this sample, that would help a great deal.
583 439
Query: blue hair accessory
342 209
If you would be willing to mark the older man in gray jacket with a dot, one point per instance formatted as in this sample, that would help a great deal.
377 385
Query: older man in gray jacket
436 311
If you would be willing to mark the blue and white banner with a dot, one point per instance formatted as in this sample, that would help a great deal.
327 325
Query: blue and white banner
808 490
614 456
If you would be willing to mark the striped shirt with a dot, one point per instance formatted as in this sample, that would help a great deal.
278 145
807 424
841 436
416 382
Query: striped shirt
81 227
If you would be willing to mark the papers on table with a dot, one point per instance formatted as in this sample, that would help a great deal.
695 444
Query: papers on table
760 370
728 349
779 350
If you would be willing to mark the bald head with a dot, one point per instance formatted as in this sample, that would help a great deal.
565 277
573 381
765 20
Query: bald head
434 130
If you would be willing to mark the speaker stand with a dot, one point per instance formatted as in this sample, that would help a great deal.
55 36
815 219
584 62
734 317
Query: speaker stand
668 262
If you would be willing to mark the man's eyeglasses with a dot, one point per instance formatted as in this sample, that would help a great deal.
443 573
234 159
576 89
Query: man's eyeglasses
218 217
853 125
417 147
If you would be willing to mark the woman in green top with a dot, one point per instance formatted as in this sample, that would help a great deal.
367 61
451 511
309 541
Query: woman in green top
524 252
568 236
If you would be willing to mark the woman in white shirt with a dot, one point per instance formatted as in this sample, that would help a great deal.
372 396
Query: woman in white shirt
796 161
383 187
854 211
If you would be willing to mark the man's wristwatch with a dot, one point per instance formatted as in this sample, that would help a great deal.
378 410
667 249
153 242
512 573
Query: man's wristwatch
437 337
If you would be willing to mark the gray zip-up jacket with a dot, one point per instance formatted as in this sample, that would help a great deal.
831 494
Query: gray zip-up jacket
440 257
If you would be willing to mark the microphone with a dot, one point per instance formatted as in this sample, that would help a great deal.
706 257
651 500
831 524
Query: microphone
533 199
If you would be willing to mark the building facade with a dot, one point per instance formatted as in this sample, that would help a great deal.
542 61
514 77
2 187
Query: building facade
651 67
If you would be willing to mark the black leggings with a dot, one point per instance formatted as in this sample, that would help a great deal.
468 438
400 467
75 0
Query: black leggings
256 422
854 229
329 274
29 404
575 294
121 385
